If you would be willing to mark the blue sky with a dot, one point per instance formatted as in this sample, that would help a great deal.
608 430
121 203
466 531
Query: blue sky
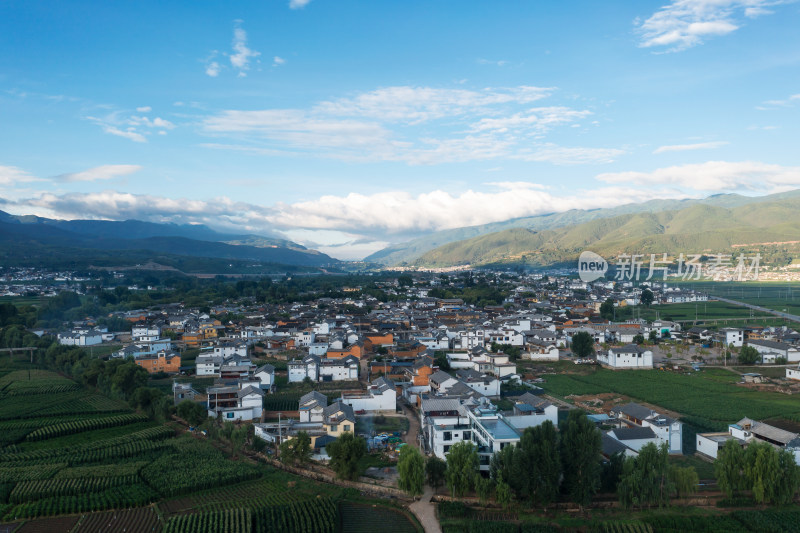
349 125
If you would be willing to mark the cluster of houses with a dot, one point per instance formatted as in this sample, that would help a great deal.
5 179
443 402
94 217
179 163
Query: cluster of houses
441 355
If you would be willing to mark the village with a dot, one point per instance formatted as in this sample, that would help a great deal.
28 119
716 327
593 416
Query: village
439 370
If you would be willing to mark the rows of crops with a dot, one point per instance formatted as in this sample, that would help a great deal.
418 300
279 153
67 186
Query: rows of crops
115 498
78 426
230 521
35 490
317 516
623 526
100 471
142 519
361 519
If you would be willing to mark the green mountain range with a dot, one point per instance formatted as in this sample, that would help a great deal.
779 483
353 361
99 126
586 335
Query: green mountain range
408 252
702 227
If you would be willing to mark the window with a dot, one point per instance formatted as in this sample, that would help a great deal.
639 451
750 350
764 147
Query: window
229 415
447 448
447 436
334 427
467 435
346 427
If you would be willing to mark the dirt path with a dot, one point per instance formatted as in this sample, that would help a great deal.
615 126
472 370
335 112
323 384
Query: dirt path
425 512
412 435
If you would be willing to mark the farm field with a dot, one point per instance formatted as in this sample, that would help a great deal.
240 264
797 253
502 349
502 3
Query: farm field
360 518
689 311
706 399
82 462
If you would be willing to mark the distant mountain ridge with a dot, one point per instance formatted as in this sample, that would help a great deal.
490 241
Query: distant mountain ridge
408 252
698 228
34 233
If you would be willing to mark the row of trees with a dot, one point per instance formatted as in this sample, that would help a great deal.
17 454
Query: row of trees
770 474
649 480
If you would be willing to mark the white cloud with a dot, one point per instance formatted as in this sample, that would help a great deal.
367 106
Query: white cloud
768 105
686 23
439 209
298 4
157 122
687 147
129 133
241 56
500 63
415 125
278 61
420 104
103 172
213 68
715 176
144 109
348 226
13 175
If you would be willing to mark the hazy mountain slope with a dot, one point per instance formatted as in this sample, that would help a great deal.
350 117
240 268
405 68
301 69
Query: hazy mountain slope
407 252
695 229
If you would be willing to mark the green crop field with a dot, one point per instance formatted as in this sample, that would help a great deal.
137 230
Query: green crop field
65 450
772 295
689 311
708 399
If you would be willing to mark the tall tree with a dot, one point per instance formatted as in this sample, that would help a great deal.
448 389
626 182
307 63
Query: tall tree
540 446
411 470
582 344
580 457
462 465
345 452
645 478
729 468
647 297
607 309
684 480
435 469
748 355
296 450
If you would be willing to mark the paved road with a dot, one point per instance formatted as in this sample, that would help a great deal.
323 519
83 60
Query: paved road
793 318
425 512
412 435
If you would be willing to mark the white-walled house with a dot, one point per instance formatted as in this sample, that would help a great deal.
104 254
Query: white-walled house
208 365
629 356
317 369
265 374
793 373
733 336
227 350
300 369
380 397
770 350
664 428
83 337
235 402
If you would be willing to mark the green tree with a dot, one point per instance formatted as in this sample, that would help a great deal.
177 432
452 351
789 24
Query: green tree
786 485
580 457
192 412
729 468
435 470
345 452
607 309
503 493
238 438
645 478
537 465
582 344
748 355
462 464
411 470
296 450
638 338
653 337
647 297
483 486
684 480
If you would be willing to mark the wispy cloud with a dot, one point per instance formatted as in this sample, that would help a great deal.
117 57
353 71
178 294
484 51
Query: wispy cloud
241 56
683 24
688 147
497 63
790 101
278 61
415 125
12 175
298 4
133 127
144 109
715 176
103 172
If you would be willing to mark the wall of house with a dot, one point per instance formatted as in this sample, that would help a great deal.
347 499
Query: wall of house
707 446
386 402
